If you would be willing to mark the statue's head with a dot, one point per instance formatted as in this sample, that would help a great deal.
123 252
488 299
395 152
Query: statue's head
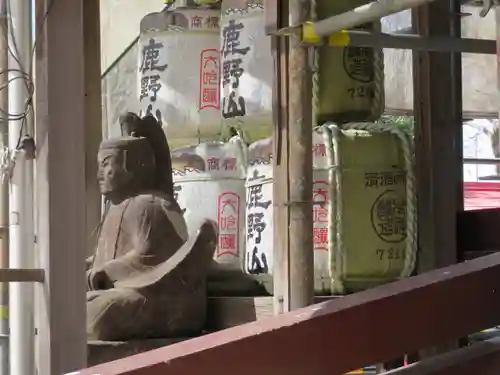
126 166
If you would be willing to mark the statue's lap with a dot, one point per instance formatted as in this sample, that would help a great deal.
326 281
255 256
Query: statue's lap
115 314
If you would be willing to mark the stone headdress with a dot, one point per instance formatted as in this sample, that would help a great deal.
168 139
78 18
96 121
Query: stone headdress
148 127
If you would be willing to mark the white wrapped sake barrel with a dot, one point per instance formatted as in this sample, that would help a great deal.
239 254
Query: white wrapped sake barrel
363 207
350 80
209 182
259 247
179 73
259 209
247 68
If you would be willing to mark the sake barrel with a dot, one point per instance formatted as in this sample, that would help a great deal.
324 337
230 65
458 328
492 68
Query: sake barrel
259 216
178 75
351 79
247 68
259 209
363 234
209 182
373 219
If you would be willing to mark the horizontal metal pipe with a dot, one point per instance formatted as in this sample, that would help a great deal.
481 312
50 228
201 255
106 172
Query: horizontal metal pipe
22 275
417 42
489 178
483 161
363 14
467 115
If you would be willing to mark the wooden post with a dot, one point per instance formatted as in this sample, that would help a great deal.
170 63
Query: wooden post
438 136
293 225
497 20
438 139
93 118
61 342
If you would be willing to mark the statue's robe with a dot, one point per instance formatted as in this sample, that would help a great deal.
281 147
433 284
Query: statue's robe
158 278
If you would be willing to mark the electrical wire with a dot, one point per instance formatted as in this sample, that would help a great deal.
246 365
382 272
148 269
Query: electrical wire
24 73
19 73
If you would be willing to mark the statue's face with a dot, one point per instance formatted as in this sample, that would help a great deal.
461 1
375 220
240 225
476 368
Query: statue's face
111 174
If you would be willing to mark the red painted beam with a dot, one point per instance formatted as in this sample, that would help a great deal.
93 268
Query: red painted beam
479 359
341 335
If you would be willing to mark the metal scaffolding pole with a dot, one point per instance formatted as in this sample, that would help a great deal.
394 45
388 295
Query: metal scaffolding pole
482 161
4 191
414 42
355 17
21 246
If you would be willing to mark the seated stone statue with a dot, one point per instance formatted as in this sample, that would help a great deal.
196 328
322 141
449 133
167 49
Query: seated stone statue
147 278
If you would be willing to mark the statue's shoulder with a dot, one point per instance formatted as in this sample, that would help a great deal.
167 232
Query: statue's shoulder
162 209
153 201
150 198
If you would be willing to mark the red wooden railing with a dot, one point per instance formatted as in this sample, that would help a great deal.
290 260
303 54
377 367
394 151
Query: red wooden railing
345 334
481 195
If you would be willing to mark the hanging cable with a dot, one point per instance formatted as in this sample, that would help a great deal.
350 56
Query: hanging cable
25 73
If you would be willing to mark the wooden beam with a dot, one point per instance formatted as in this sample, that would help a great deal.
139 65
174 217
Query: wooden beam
60 186
318 339
475 234
479 359
227 312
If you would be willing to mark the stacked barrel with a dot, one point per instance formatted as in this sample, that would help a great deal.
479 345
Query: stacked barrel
206 72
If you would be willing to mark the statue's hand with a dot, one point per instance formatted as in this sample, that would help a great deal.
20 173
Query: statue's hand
97 279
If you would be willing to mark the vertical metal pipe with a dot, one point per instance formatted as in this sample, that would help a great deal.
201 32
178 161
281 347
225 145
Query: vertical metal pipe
21 246
4 192
276 13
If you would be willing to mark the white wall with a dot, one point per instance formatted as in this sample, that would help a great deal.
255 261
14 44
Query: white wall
477 144
120 21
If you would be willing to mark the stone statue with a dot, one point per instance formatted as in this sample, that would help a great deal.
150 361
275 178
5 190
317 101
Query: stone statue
147 278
